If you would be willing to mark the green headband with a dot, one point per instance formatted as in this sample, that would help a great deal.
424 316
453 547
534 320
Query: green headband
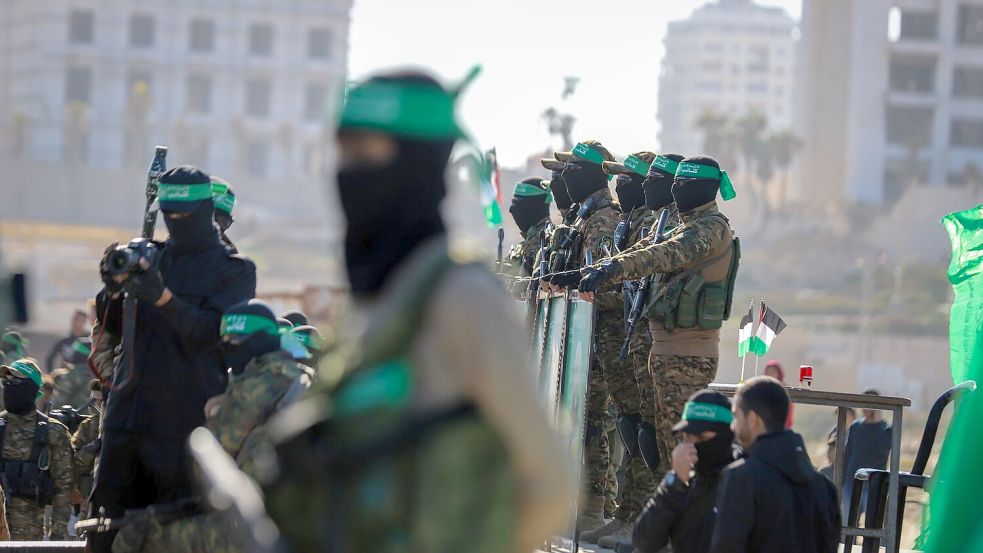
219 188
708 412
312 342
13 340
247 323
79 347
28 371
588 153
637 164
699 171
526 190
197 192
402 109
224 202
665 165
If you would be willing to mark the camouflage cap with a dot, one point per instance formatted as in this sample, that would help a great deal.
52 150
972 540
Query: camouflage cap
552 164
637 163
588 150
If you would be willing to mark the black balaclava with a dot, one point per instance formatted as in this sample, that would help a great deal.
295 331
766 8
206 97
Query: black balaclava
19 395
296 318
559 189
692 193
585 180
195 232
716 453
391 210
238 355
529 210
657 185
629 191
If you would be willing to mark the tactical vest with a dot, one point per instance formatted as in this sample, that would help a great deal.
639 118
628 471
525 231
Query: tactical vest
31 478
369 448
698 295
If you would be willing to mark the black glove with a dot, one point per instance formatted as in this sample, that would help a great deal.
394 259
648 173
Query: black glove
111 285
595 277
147 285
565 279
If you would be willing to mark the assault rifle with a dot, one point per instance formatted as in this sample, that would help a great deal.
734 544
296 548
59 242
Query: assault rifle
571 239
641 291
163 513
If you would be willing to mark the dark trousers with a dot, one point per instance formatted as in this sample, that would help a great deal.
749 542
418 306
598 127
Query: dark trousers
137 470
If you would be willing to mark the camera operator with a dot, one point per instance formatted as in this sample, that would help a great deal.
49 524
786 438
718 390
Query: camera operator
162 380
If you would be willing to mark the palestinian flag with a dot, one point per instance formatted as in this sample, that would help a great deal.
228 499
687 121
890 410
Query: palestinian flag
491 189
745 334
769 326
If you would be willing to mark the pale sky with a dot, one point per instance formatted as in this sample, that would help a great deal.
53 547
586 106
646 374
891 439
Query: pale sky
526 48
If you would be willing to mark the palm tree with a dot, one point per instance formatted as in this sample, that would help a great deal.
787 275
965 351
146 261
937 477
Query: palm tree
718 137
783 145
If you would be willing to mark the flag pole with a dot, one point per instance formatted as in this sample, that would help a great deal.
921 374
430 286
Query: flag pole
744 357
756 356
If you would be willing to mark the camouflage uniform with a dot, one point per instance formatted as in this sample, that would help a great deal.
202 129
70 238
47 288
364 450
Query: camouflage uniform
250 399
4 527
104 351
86 444
617 456
524 256
71 385
25 516
685 360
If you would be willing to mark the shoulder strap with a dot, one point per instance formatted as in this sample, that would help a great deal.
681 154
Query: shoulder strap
40 446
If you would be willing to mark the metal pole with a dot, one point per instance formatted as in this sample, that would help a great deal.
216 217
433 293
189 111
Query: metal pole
890 520
838 468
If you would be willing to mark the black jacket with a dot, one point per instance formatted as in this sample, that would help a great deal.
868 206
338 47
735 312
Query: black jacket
681 514
775 501
177 364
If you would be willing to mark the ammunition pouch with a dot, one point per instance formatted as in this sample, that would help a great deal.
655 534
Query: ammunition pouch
29 478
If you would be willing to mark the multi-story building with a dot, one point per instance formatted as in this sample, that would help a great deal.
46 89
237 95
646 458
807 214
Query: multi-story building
236 86
891 94
730 57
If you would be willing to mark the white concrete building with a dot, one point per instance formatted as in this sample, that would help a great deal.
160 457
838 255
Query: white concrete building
236 86
731 57
891 93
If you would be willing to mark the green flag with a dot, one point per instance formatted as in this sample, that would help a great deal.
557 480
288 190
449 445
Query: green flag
955 519
491 189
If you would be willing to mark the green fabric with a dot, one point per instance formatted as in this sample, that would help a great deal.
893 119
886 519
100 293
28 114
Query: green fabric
486 168
403 109
699 171
385 385
665 165
219 188
79 347
954 520
709 412
28 370
184 192
636 164
585 152
526 190
245 324
312 342
224 202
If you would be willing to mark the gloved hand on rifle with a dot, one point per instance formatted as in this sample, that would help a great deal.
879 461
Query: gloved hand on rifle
597 276
564 279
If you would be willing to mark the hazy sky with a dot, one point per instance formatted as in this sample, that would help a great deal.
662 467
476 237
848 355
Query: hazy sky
526 47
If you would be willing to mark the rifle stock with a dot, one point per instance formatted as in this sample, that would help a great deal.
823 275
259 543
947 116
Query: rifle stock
641 291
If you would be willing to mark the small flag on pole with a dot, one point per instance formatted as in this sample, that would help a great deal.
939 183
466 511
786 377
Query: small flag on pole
770 325
746 333
491 190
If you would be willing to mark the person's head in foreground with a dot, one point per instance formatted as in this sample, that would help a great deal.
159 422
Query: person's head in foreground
760 407
706 424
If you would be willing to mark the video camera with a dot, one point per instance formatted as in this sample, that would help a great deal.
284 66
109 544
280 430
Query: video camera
126 259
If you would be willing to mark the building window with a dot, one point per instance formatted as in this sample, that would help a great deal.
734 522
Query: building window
141 31
967 82
970 25
758 59
202 35
258 93
319 44
258 158
912 74
261 39
757 87
967 133
199 93
919 25
81 27
315 101
909 126
78 85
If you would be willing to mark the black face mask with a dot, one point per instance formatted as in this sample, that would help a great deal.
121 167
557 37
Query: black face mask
657 188
715 453
690 194
195 232
583 180
629 191
529 210
559 190
391 210
237 356
19 395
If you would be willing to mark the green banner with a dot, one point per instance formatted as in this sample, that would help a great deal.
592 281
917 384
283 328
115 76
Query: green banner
955 520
